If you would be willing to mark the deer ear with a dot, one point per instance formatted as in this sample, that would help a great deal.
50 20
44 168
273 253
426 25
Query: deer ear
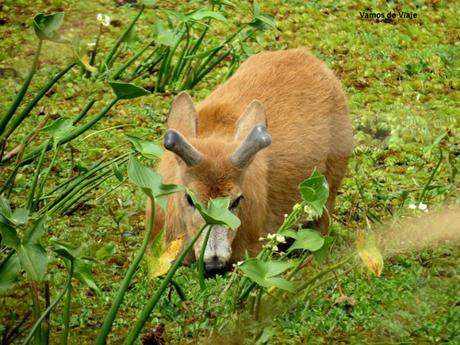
253 115
182 115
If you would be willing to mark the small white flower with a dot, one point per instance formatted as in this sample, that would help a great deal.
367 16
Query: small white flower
285 215
261 239
423 207
307 209
275 248
91 44
103 18
296 207
271 236
239 263
280 239
412 206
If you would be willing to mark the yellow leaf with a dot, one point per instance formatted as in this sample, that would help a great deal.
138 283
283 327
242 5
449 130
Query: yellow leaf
160 264
369 253
84 61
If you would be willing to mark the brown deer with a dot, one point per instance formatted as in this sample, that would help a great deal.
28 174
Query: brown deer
254 139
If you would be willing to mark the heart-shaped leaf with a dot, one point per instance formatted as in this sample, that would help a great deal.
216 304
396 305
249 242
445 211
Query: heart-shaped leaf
145 148
148 180
34 260
117 172
46 27
264 273
10 237
308 240
315 192
106 251
59 129
82 272
9 271
5 209
201 14
35 232
217 212
161 256
164 36
20 215
67 250
127 90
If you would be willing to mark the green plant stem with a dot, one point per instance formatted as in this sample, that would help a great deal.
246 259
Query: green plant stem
257 303
201 260
179 290
42 183
291 274
326 271
48 310
152 302
109 59
36 309
67 305
84 111
17 100
108 322
136 56
422 197
35 179
22 116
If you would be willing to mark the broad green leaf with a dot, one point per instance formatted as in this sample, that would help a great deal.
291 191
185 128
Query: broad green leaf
148 180
315 192
20 215
82 272
131 37
46 27
59 129
161 256
164 36
201 14
307 239
264 273
145 148
9 271
10 237
217 211
35 232
106 251
117 172
321 254
266 335
34 260
67 250
127 90
5 209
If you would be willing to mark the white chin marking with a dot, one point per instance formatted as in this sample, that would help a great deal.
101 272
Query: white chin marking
218 248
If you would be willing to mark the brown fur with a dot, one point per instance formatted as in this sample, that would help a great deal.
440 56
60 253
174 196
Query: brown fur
308 121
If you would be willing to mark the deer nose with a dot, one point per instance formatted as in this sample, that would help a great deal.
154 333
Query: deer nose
215 267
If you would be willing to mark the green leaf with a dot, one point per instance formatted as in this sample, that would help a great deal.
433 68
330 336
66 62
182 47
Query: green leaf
145 148
320 254
46 27
164 36
67 250
148 180
59 129
106 251
35 232
307 239
201 14
82 272
264 273
131 37
217 212
9 271
10 237
127 90
34 260
315 192
5 209
20 215
117 172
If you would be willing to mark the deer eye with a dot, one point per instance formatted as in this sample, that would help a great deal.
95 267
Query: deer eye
189 200
236 202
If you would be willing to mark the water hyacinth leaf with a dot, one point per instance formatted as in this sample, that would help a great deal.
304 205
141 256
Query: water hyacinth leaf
33 260
201 14
67 250
127 90
145 148
82 272
315 192
106 251
35 232
20 215
217 212
46 27
117 172
148 180
59 129
369 253
308 240
264 273
9 272
10 237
